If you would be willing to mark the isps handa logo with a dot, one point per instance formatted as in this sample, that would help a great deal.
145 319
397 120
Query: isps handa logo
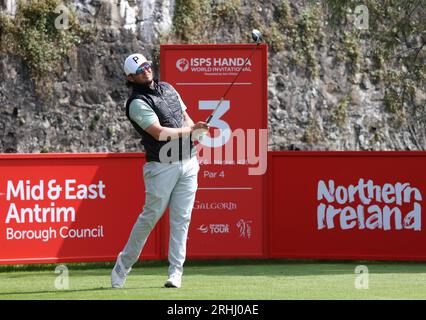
182 64
366 205
214 65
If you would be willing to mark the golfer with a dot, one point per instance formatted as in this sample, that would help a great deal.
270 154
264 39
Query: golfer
159 115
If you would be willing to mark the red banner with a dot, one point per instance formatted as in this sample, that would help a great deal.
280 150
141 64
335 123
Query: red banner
347 205
70 207
228 216
321 205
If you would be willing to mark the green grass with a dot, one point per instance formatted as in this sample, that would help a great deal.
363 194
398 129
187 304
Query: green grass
213 280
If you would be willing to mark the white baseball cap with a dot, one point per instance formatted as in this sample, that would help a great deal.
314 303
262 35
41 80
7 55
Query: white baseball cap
132 63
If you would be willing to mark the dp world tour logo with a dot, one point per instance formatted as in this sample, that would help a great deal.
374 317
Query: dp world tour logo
203 228
182 64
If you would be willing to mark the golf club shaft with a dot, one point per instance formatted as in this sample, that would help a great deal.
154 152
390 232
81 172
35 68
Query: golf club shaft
232 83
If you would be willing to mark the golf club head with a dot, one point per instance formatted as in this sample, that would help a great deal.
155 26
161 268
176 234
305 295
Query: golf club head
256 36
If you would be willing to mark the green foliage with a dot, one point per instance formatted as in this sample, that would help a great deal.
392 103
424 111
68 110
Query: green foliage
399 91
396 38
340 113
33 36
402 46
190 20
194 20
338 11
6 35
391 100
110 132
282 31
155 55
275 38
301 34
45 149
272 34
377 56
93 124
309 35
226 12
256 20
283 16
353 52
312 133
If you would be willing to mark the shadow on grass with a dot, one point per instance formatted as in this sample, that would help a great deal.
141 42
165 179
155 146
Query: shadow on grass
52 291
15 293
231 267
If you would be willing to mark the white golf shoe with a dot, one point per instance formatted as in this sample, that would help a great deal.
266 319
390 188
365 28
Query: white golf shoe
174 281
119 273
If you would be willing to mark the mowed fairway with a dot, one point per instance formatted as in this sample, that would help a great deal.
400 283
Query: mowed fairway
209 280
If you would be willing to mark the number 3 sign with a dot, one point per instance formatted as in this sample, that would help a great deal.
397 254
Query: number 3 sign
216 122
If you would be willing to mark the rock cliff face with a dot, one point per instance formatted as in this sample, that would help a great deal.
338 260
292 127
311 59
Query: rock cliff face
338 109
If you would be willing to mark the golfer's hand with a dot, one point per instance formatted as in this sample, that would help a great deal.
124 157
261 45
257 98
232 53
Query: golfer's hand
199 129
200 126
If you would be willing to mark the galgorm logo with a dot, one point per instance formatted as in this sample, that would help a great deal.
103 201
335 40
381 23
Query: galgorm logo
182 64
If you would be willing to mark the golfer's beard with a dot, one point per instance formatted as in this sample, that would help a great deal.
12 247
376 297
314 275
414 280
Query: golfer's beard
148 83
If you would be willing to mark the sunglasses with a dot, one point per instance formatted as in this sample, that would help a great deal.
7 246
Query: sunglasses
143 68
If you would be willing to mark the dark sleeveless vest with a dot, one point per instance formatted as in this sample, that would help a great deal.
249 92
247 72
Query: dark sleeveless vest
165 103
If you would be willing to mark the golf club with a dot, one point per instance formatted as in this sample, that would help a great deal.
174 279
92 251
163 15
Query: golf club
257 37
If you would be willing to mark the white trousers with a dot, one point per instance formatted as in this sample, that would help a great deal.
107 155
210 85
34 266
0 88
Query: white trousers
166 184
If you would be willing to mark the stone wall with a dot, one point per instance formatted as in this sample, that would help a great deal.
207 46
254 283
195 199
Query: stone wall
84 110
